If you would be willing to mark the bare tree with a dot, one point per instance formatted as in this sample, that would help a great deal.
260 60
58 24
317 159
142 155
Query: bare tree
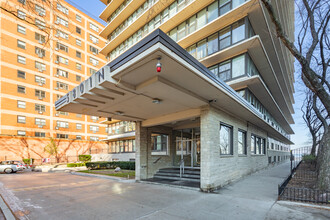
313 123
312 51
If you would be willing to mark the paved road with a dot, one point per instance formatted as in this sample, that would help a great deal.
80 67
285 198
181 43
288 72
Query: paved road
67 196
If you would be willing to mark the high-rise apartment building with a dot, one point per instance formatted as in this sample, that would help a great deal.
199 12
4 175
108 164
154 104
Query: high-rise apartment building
220 100
46 49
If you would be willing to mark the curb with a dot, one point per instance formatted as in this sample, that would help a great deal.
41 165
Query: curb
303 204
171 185
6 210
118 179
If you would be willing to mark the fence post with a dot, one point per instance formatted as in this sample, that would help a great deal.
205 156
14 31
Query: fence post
291 158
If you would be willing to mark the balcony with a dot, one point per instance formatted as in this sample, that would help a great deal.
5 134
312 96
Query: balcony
110 8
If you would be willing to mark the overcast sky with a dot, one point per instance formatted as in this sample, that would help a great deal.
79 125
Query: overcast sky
301 136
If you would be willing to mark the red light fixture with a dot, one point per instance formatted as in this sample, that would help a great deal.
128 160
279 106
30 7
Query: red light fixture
159 66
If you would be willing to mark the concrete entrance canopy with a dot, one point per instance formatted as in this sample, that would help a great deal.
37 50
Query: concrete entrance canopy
130 88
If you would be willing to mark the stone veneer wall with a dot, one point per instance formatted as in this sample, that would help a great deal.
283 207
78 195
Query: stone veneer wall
217 170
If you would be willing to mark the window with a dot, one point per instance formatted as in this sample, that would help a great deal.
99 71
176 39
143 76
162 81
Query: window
62 47
241 139
78 137
40 10
212 44
201 18
40 94
93 50
92 71
78 66
21 29
94 39
238 32
159 142
61 85
21 59
78 78
21 104
21 133
62 21
40 66
201 49
78 42
40 108
22 1
225 38
78 54
40 38
62 73
58 96
21 89
62 34
78 126
94 118
62 124
21 44
78 30
78 18
258 145
95 62
224 70
21 14
21 119
62 60
64 136
224 6
40 52
78 115
20 74
94 27
39 134
212 11
40 80
226 139
94 128
63 9
238 66
94 138
40 24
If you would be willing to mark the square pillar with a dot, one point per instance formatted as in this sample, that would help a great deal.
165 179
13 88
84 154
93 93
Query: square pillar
141 152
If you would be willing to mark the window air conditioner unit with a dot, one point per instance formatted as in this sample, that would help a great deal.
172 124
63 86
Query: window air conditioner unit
56 114
56 75
94 53
41 70
40 55
56 128
40 126
41 42
41 14
57 22
56 35
94 64
40 112
56 88
56 49
40 84
40 98
56 61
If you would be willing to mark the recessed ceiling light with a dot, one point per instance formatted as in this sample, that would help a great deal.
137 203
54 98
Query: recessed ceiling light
119 113
156 101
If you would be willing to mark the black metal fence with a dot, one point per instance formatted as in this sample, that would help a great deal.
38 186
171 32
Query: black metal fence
308 176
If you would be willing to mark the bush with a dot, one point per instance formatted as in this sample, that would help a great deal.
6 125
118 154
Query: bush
125 165
309 158
75 164
27 161
85 158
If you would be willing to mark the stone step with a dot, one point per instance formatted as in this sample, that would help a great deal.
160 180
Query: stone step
178 175
176 178
194 172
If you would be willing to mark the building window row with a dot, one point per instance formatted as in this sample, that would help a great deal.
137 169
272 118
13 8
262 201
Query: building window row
222 39
118 10
124 146
121 127
258 145
192 24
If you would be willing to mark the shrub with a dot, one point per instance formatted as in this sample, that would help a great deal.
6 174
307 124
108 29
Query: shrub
75 164
309 158
85 158
125 165
27 161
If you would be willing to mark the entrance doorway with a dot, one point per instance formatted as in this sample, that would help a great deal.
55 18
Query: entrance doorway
187 147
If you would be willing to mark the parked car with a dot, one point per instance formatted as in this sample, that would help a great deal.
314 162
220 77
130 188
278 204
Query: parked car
8 168
19 164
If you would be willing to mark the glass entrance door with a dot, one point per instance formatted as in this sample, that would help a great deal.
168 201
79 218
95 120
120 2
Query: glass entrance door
188 148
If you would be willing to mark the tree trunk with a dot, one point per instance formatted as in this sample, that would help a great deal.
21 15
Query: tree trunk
313 151
323 162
